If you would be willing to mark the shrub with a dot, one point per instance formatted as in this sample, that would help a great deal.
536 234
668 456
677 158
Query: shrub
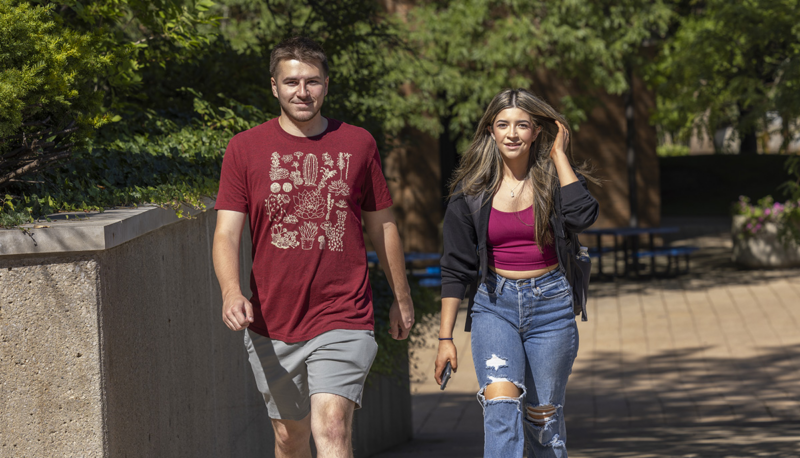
150 160
785 216
672 150
47 99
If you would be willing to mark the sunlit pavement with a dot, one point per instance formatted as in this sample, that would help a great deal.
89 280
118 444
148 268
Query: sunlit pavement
702 365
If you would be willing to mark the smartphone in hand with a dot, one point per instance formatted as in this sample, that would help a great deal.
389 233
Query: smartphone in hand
446 375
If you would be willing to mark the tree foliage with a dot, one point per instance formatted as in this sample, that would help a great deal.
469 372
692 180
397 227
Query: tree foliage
161 56
67 67
162 161
47 103
731 64
470 50
362 44
131 73
137 34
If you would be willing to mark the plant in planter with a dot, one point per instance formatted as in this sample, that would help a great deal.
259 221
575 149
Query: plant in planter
767 233
754 219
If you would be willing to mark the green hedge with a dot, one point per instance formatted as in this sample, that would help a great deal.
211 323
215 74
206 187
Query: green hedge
150 159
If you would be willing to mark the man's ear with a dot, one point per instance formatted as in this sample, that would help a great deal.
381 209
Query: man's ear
274 87
327 82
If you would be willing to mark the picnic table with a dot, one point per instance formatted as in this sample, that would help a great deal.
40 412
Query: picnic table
430 276
629 247
410 257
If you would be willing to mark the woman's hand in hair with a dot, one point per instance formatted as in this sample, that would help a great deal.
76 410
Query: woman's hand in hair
562 141
558 154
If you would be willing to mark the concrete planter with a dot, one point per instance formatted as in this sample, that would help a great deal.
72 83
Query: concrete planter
111 344
762 250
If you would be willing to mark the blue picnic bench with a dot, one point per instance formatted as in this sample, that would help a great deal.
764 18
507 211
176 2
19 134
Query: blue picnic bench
672 253
631 254
430 276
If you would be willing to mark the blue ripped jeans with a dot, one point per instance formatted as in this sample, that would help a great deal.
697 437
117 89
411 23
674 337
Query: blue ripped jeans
524 332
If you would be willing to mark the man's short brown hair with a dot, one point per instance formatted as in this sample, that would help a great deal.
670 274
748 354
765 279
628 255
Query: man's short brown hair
303 49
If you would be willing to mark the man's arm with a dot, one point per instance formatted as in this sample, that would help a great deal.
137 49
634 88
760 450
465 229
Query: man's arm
237 312
382 231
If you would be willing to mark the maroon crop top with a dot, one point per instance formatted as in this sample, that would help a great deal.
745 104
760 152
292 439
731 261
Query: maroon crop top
511 243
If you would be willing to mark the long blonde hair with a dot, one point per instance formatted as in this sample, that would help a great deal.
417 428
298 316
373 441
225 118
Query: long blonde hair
481 167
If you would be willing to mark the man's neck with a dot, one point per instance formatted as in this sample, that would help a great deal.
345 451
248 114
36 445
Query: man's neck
310 128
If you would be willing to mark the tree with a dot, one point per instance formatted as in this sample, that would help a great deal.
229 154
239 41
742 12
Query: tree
470 50
363 45
731 64
46 101
174 84
67 67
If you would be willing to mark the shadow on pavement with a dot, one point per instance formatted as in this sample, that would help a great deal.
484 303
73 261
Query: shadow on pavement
679 403
766 439
453 427
710 267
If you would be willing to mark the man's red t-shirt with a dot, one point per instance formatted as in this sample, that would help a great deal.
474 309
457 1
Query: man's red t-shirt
304 196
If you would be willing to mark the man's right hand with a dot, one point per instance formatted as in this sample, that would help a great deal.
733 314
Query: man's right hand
237 312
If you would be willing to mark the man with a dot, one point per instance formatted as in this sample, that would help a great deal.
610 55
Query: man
306 182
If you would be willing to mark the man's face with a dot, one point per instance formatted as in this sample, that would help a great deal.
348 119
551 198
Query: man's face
300 88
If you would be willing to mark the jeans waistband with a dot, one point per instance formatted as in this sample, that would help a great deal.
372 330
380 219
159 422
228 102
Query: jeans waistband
501 281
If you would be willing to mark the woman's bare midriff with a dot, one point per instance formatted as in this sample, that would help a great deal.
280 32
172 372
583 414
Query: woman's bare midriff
522 274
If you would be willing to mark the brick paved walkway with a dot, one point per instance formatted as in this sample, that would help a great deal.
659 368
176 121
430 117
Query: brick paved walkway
704 365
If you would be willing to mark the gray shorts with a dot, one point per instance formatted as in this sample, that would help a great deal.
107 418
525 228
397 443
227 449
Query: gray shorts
287 374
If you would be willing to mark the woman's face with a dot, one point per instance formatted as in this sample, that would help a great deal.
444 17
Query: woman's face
514 132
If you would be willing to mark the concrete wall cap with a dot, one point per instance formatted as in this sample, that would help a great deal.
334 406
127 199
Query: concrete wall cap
92 231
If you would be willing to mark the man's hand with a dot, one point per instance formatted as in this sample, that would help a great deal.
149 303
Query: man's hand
382 231
237 312
447 352
401 319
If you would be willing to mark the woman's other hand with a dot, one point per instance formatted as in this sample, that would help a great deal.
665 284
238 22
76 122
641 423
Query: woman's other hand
447 352
562 140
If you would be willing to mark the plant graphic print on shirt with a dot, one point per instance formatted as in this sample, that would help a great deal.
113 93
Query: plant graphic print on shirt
326 158
275 208
276 172
296 176
339 187
307 234
333 233
300 197
309 205
310 170
283 238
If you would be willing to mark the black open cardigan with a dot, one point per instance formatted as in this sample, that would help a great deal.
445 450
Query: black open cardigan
465 255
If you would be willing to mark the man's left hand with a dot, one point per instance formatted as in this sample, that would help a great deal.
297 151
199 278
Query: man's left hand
401 319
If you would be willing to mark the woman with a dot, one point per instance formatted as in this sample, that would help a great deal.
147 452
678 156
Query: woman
511 201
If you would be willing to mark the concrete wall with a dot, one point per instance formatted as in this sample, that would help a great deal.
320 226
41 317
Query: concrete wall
122 351
175 375
50 376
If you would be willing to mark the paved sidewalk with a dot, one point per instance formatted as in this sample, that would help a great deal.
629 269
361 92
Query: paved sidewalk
704 365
